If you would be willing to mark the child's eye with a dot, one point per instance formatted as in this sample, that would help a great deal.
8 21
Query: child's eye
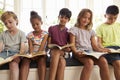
10 22
37 24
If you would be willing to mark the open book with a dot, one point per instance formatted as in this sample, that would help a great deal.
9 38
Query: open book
34 54
6 60
9 59
114 50
95 54
98 54
51 46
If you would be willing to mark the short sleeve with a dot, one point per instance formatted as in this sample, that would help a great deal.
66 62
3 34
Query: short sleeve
93 33
73 30
50 31
30 35
1 37
98 32
23 37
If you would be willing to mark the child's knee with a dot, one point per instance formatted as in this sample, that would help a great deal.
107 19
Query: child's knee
26 61
89 63
13 65
62 62
116 64
102 61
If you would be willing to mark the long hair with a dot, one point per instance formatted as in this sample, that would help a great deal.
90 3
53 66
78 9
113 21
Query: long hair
80 15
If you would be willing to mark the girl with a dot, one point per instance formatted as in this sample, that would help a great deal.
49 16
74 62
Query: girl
13 40
37 41
83 38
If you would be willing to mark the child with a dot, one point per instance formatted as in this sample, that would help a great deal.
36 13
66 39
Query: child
58 35
13 41
37 41
109 36
83 38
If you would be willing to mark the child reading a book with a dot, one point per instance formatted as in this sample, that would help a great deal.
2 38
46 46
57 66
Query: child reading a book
37 42
83 38
13 41
109 36
58 35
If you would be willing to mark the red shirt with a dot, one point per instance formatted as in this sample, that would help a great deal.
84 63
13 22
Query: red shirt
59 37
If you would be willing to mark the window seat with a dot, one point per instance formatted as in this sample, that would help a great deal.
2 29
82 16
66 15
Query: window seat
72 71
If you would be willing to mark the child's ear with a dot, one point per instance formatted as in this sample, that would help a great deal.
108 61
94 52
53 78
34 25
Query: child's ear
41 22
16 22
105 15
68 20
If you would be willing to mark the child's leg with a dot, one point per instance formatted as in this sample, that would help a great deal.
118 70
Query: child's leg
87 69
104 69
116 66
61 68
55 55
14 69
24 69
42 67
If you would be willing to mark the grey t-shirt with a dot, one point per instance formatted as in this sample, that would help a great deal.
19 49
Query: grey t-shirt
82 38
12 42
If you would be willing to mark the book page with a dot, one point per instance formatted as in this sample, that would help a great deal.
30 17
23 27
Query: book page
51 46
34 54
68 45
60 47
95 54
114 51
3 61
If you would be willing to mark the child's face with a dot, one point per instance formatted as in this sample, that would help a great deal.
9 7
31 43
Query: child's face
36 24
85 19
63 20
10 23
110 18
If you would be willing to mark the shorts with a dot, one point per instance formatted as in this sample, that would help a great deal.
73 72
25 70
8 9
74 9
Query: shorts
5 54
112 57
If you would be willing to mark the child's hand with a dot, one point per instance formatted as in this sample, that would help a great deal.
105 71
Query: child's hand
67 49
105 50
80 54
17 60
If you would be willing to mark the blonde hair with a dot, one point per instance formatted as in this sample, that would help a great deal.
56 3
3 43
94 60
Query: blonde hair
9 14
80 15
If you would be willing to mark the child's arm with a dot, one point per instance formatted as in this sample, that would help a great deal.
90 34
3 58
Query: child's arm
22 47
43 44
30 45
1 46
49 40
97 46
73 48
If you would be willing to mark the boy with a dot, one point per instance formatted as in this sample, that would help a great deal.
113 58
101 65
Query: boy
108 35
58 35
13 41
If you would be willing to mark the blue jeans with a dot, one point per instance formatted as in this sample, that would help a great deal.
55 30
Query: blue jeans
5 54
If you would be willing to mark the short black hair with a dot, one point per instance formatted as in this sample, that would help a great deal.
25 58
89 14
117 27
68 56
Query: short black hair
65 12
112 9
